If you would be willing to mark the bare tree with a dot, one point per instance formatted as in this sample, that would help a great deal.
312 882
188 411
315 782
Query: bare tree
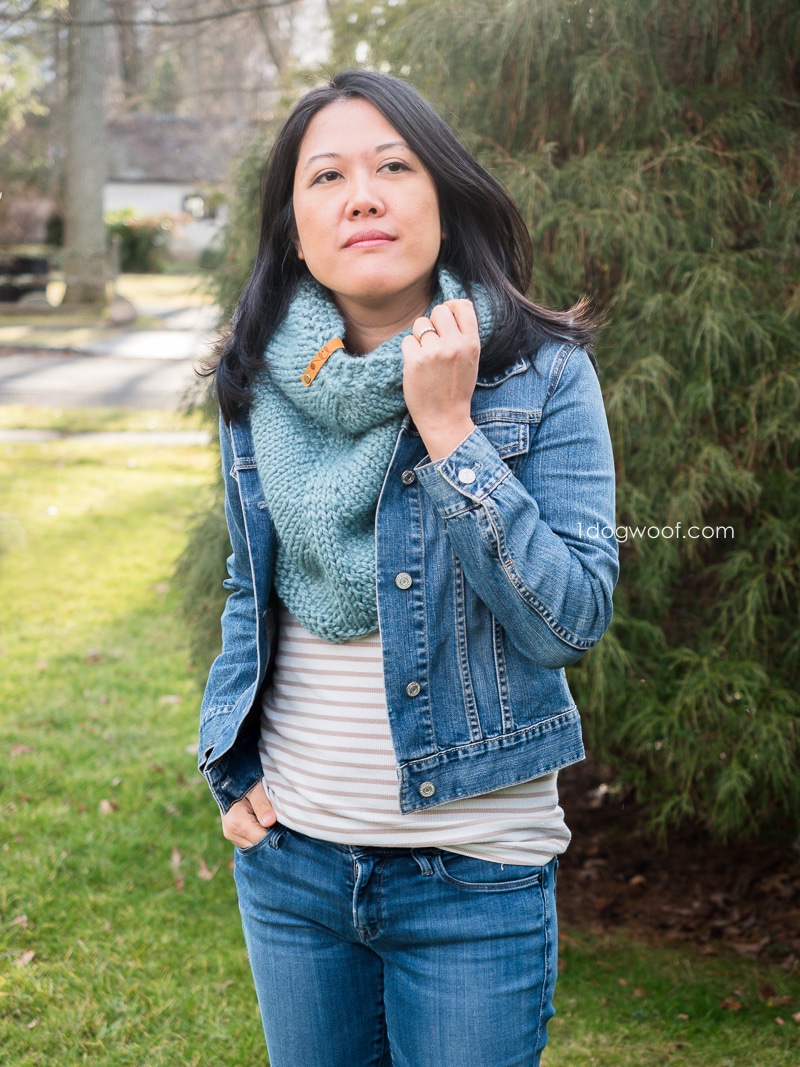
130 54
85 269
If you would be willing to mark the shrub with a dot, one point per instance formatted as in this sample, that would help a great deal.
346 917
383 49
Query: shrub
142 241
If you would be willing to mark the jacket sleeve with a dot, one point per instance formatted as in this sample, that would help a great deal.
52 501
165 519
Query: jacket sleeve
228 751
538 545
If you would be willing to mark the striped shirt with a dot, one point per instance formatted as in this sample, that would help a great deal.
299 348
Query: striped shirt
329 765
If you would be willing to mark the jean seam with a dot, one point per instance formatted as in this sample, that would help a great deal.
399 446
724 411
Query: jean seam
546 976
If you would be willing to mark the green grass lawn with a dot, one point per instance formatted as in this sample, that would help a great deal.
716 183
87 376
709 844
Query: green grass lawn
119 935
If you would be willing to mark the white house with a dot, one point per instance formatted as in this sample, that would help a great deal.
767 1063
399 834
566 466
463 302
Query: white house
165 165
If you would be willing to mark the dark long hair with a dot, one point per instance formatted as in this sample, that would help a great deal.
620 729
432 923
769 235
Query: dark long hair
487 242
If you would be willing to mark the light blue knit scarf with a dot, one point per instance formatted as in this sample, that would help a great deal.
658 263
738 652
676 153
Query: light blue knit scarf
322 452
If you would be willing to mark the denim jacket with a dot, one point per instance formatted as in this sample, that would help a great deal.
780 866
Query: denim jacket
489 582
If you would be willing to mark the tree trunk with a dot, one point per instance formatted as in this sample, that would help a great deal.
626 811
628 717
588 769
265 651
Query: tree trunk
130 53
85 269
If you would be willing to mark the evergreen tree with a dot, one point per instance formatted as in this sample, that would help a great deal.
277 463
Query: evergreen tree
654 150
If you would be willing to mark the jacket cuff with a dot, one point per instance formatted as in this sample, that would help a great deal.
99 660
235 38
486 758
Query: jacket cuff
472 471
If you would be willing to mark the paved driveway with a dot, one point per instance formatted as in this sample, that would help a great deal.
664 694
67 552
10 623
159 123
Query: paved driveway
71 380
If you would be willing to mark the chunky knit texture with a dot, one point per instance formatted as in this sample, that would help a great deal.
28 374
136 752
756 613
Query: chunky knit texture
322 452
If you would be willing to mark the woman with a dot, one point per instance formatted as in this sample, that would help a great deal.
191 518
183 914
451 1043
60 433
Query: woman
413 453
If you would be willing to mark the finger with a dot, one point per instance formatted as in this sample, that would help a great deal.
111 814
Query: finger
240 826
463 312
457 336
423 327
444 322
244 839
264 811
411 348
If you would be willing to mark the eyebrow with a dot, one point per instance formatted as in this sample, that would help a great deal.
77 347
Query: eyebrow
337 155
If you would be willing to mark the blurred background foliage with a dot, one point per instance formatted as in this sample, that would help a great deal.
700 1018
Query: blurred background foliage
654 149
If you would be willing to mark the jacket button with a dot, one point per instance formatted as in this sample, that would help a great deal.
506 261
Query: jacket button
466 476
408 477
403 580
413 689
427 789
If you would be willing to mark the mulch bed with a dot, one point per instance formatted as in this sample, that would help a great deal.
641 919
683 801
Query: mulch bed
742 898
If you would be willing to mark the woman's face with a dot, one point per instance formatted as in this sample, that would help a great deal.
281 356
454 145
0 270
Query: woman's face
366 212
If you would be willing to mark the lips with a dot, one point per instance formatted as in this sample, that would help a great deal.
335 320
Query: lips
368 237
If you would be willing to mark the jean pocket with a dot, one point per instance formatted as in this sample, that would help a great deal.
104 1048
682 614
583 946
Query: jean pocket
272 838
484 876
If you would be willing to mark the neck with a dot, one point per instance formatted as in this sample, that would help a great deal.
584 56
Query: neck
367 326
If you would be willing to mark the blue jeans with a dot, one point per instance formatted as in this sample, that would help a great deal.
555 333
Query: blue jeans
382 957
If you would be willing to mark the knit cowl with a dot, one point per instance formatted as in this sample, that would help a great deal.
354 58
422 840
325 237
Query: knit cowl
322 451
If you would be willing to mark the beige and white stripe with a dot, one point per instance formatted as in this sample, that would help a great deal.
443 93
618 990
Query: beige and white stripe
329 766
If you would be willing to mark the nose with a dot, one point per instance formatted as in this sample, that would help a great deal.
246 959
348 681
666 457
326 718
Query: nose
364 200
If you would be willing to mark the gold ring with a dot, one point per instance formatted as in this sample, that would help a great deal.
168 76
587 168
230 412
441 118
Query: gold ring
423 331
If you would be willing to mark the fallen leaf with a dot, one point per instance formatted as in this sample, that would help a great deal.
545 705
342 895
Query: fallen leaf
94 655
639 993
170 698
767 992
622 981
19 750
25 958
681 1015
779 1020
32 1023
729 1004
205 873
750 948
21 920
796 1016
108 806
175 862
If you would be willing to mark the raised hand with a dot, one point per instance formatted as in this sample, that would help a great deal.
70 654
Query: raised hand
440 368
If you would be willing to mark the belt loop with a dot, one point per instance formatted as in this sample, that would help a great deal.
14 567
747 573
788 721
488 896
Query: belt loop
422 862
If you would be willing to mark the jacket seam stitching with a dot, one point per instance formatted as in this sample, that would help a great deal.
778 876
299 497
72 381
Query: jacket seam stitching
412 763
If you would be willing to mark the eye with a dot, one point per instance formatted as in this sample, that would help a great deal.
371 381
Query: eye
326 177
395 167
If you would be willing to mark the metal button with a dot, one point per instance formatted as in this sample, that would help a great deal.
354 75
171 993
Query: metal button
427 789
466 475
403 580
413 689
408 477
